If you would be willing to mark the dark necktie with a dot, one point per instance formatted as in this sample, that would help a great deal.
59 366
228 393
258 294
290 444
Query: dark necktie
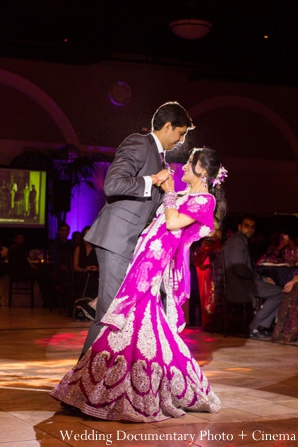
162 160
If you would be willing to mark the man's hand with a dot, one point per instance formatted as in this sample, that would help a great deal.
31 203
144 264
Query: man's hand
269 280
160 177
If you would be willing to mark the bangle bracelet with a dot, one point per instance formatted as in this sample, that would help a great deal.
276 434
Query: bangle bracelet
169 200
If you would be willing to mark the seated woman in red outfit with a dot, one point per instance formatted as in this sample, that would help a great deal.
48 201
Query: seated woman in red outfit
203 267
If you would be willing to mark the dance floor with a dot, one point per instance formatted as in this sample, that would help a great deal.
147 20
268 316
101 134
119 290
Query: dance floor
257 382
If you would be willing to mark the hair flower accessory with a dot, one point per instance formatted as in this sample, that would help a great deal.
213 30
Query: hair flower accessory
221 175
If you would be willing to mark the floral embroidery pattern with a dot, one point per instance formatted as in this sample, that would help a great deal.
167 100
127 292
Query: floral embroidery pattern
146 338
204 231
155 249
155 286
117 371
165 347
142 282
118 340
140 379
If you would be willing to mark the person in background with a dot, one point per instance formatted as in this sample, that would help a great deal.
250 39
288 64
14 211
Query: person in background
195 318
61 250
286 327
275 253
204 272
76 239
228 232
21 269
243 284
85 269
3 252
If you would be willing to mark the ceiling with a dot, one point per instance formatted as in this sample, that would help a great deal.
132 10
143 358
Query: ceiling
89 31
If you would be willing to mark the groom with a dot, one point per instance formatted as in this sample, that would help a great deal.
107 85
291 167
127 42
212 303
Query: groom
133 195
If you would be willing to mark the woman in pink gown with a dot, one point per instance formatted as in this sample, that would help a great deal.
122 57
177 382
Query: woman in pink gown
139 368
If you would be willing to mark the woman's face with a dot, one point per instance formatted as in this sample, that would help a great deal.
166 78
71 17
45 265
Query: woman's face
189 176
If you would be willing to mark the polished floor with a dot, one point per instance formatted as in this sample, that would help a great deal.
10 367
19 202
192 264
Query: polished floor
257 382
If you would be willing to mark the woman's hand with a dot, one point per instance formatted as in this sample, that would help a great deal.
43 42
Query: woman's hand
160 177
288 287
168 185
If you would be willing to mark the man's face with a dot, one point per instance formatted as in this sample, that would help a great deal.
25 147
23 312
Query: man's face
19 239
63 233
247 228
173 136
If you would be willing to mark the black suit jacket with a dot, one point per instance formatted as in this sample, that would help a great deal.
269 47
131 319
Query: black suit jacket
240 277
127 211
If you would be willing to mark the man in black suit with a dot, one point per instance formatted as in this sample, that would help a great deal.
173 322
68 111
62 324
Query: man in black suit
133 195
243 284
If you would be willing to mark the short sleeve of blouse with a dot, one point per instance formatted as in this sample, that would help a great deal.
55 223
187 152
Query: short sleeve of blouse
201 208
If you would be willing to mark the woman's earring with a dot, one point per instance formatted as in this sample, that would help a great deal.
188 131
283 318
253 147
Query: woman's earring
204 180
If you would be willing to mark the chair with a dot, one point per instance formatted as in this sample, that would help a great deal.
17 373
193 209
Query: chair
20 287
224 309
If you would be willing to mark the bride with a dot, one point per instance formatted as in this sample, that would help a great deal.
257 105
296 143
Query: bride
139 369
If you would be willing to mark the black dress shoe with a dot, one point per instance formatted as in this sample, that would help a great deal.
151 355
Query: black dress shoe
258 335
265 331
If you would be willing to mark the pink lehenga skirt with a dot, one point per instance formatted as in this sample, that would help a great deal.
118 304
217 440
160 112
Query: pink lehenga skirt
143 372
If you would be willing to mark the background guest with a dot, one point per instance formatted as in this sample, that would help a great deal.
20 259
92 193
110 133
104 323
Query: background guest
243 284
204 273
286 328
194 298
20 269
85 263
275 253
76 239
3 252
61 250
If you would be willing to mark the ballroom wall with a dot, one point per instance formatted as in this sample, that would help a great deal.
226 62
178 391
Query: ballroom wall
252 126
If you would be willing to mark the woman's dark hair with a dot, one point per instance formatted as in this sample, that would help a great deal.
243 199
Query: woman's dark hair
171 112
87 227
210 160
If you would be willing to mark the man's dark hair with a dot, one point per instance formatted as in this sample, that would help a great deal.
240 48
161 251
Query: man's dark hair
63 224
17 233
171 112
248 216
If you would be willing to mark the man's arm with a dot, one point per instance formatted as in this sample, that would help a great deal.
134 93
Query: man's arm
121 179
238 256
